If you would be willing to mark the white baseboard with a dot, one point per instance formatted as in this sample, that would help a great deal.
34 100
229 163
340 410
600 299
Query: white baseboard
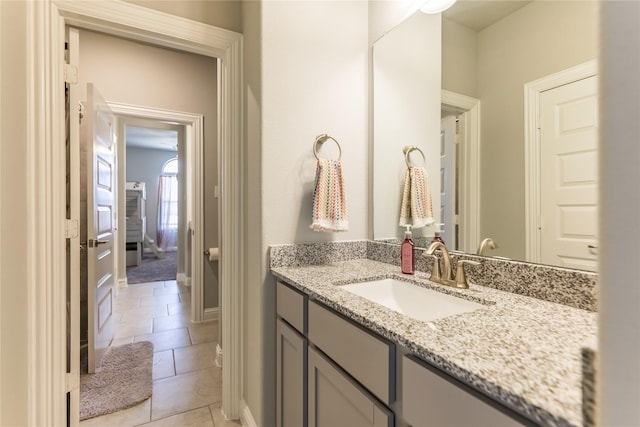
122 283
212 313
181 278
218 356
246 418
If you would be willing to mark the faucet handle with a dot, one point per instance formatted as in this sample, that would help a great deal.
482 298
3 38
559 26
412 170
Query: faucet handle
436 272
461 275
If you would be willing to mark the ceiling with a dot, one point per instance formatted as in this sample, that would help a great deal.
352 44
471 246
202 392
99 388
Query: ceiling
154 138
479 14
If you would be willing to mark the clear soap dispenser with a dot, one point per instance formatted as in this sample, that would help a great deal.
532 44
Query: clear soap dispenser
407 253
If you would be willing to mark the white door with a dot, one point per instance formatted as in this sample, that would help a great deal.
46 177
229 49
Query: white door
99 133
569 175
448 181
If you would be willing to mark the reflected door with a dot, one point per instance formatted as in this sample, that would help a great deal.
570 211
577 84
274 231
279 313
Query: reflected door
569 175
448 178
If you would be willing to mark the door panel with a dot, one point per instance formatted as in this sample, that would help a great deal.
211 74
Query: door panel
569 174
98 131
448 180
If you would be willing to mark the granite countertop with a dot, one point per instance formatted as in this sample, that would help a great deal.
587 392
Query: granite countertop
520 351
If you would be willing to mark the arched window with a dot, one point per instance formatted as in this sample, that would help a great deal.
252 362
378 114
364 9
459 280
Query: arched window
170 167
168 206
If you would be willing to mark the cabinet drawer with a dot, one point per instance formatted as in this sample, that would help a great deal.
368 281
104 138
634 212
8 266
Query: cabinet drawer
431 398
291 305
335 400
367 358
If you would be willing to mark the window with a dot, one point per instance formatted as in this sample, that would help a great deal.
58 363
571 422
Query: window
168 206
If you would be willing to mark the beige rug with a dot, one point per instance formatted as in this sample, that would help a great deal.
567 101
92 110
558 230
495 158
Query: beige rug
123 379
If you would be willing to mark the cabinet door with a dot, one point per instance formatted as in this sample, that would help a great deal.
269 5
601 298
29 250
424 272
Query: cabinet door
432 399
291 359
336 401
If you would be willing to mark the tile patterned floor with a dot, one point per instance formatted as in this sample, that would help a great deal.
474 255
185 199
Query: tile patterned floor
186 381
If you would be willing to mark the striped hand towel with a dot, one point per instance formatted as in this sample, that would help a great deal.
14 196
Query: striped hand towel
416 209
329 203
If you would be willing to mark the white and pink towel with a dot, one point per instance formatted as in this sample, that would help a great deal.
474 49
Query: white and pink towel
329 202
416 209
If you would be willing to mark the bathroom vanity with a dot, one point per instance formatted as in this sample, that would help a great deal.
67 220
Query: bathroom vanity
343 360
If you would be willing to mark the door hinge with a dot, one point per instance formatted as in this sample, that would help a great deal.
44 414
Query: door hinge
70 228
70 74
72 382
80 111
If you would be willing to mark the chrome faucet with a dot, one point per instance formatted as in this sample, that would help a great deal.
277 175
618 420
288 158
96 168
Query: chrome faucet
445 276
486 243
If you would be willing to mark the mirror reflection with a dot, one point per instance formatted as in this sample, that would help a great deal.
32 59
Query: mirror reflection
491 73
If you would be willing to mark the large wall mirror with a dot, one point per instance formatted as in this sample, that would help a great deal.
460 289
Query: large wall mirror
466 71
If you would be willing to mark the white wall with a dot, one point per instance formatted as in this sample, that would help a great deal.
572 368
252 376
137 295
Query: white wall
459 58
406 88
384 15
314 66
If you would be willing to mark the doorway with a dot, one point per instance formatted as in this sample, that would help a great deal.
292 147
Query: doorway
47 23
179 308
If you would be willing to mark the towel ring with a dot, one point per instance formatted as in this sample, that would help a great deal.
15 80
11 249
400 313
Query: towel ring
408 149
321 139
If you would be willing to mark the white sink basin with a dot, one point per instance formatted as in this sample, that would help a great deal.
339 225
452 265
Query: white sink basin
412 300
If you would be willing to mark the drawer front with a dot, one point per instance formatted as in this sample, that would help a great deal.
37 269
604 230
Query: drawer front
291 305
364 356
434 399
335 400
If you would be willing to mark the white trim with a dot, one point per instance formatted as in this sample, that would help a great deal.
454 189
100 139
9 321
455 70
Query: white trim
532 91
218 355
122 283
211 314
246 419
46 260
181 278
194 138
469 168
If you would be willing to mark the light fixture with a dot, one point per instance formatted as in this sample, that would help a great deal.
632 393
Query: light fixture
436 6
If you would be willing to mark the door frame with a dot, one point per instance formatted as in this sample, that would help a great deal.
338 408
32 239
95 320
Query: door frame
45 145
532 91
194 143
469 167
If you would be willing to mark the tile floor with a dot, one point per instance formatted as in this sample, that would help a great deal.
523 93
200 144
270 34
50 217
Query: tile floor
186 382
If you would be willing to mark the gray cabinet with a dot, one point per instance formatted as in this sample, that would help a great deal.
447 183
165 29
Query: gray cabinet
431 398
291 381
337 401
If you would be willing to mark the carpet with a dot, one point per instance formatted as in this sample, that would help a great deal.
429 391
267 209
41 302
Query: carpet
152 269
123 379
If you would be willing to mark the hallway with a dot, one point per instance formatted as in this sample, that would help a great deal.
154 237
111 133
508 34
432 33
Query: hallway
186 382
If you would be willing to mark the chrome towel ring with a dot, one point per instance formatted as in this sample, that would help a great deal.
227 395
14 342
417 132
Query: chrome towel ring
408 149
321 139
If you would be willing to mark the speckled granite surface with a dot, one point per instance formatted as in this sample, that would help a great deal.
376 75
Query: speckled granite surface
521 351
555 284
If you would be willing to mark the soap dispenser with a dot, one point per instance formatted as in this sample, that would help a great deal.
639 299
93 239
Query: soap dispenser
437 232
407 253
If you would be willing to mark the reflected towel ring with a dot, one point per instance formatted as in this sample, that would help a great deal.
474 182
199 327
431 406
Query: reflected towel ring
408 149
321 139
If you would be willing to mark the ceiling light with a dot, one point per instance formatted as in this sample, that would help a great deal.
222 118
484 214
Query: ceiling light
436 6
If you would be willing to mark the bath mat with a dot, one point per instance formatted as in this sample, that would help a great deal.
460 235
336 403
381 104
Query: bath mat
123 379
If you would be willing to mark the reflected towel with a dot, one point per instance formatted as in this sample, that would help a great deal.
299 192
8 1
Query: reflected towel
329 203
416 209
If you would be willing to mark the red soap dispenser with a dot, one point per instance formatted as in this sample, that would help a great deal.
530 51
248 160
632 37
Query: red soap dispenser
437 232
407 253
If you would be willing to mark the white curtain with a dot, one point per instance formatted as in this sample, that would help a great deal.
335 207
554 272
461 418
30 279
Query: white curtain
167 236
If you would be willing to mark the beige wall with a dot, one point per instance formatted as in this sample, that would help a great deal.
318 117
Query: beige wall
14 180
138 74
540 39
459 58
219 13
